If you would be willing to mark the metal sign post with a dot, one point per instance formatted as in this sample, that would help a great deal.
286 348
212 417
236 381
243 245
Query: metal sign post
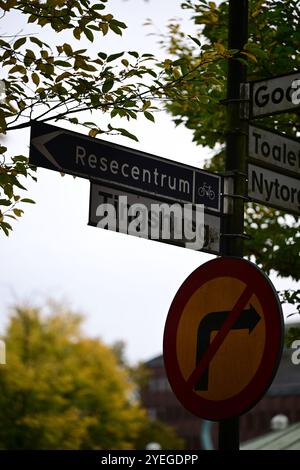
235 166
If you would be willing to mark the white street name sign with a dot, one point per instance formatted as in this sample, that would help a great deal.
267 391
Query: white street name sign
275 95
274 189
274 150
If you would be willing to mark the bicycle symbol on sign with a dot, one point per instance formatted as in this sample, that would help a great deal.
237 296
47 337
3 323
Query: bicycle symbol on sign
206 190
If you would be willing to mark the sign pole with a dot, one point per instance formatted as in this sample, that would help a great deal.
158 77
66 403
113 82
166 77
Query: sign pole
235 168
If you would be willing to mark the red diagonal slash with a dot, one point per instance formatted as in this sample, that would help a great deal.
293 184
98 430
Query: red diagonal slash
220 337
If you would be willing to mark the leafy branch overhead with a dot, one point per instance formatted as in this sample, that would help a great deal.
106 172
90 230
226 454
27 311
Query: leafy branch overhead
46 83
63 82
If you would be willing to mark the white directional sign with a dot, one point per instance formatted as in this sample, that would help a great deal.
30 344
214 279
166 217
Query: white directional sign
275 95
273 189
122 217
274 150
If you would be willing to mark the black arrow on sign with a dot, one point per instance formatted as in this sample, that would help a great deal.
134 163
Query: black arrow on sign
247 320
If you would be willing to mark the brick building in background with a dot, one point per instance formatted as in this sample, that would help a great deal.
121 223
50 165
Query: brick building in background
283 397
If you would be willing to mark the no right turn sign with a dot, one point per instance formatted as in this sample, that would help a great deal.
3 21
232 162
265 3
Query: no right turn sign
223 338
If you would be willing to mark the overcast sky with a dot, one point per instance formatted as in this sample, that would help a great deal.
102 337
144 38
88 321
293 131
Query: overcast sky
123 285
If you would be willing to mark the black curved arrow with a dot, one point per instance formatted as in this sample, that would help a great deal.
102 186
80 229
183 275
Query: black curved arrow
247 319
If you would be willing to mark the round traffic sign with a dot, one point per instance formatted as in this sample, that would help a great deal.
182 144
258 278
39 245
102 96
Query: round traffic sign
223 338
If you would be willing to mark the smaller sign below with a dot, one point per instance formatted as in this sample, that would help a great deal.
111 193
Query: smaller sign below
274 150
274 189
153 219
275 95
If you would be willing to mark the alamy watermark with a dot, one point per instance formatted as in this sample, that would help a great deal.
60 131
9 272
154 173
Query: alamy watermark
2 352
2 91
296 93
159 221
296 354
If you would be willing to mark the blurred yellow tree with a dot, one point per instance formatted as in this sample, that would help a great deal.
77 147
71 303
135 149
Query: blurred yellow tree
62 390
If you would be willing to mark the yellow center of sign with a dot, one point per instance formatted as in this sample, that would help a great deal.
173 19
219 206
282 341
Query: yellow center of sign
239 356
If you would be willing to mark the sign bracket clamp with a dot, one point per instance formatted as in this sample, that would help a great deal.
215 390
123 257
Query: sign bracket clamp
236 131
226 101
235 173
244 236
237 196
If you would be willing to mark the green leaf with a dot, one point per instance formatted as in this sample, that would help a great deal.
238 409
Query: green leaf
112 57
120 24
104 28
196 40
62 63
5 202
4 44
88 67
29 58
243 61
152 73
115 29
89 34
6 225
29 201
102 55
114 112
149 116
18 212
63 76
19 43
98 7
134 54
88 123
77 32
108 17
37 41
93 132
18 68
108 84
127 134
257 52
35 78
80 63
67 49
249 55
15 182
21 104
4 228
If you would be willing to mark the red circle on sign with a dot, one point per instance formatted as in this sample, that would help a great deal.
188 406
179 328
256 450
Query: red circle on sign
258 284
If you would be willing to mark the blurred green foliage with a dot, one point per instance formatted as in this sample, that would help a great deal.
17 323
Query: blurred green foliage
63 390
